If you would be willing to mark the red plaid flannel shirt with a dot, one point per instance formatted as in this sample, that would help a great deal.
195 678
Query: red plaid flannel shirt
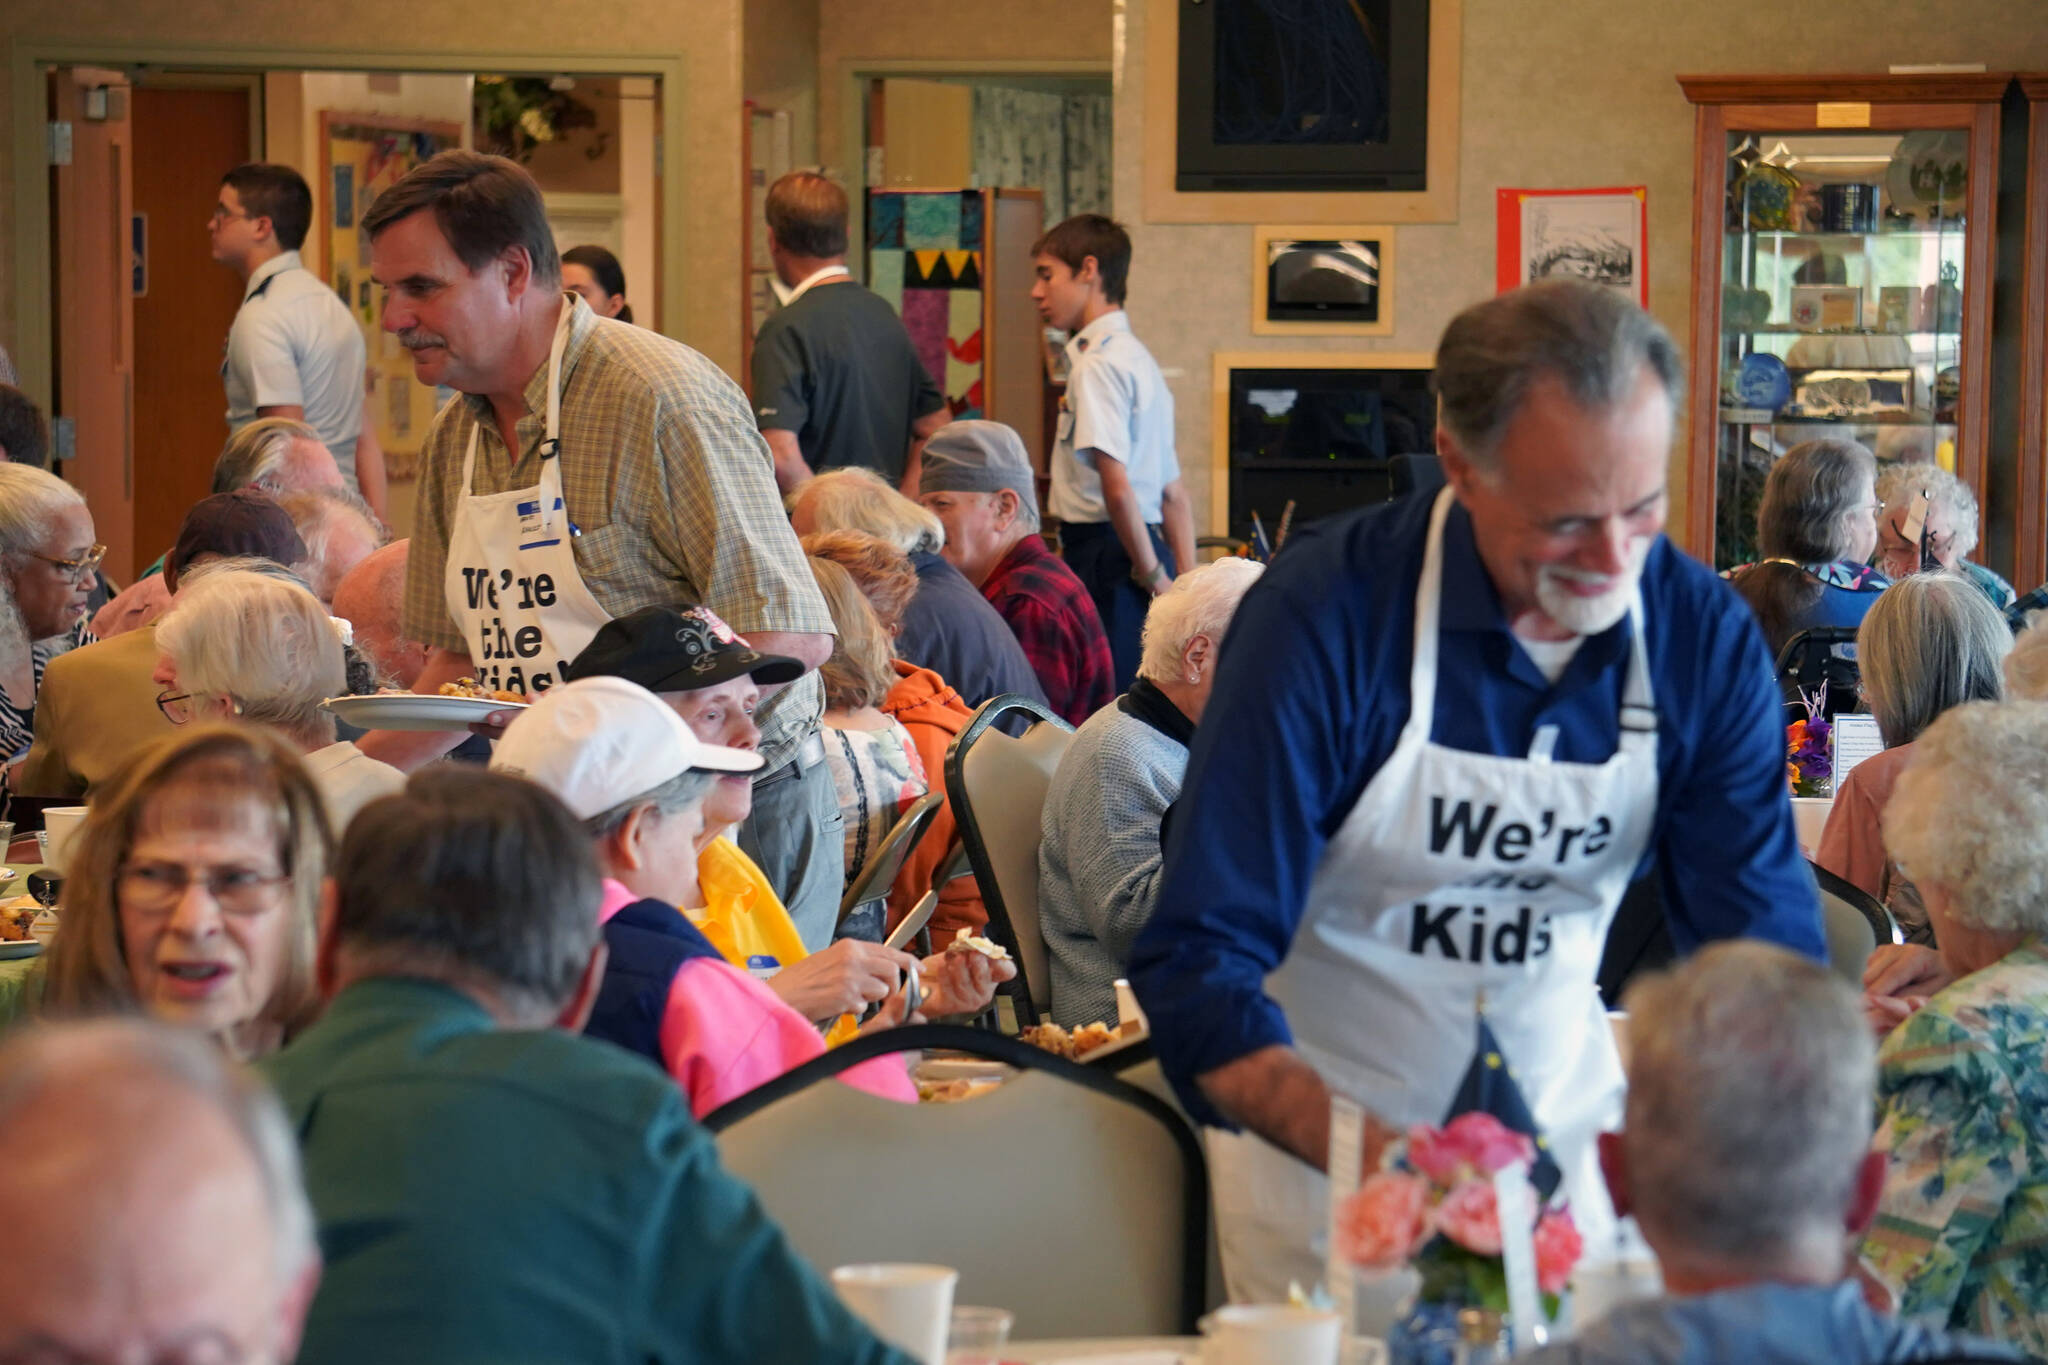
1055 620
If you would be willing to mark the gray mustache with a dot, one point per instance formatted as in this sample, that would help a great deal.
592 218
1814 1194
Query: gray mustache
413 341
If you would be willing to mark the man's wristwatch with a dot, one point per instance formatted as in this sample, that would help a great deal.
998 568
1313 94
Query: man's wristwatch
1145 578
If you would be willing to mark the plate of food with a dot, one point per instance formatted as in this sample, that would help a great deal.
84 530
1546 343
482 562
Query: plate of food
16 916
457 706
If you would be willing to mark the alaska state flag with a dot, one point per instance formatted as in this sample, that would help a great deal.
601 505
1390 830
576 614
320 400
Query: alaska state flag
1490 1088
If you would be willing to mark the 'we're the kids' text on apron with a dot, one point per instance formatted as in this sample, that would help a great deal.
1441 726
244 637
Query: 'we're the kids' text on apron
512 583
1457 877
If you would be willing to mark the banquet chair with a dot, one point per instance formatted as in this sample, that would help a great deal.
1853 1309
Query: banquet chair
1855 922
998 784
1074 1200
871 887
1811 657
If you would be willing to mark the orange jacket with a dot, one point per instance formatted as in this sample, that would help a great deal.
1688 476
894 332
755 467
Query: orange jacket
933 713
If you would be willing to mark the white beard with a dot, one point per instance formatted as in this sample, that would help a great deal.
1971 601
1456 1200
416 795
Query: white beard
1590 615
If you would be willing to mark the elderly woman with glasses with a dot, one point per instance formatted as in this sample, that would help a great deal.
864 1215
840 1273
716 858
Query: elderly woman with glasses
1941 536
192 890
258 646
47 563
1961 1233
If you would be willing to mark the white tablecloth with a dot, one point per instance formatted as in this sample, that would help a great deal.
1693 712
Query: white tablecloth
1810 814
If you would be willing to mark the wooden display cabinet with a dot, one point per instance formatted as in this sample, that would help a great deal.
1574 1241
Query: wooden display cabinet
2030 514
1842 267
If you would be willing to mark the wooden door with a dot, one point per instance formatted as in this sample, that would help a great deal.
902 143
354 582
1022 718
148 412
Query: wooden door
95 317
185 140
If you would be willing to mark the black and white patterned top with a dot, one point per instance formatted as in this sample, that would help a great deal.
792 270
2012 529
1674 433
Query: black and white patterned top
18 724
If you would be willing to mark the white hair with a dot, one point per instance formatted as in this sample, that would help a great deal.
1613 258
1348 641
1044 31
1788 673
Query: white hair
256 452
1200 602
1750 1102
2026 668
321 515
261 641
117 1052
1898 483
29 499
858 499
1969 813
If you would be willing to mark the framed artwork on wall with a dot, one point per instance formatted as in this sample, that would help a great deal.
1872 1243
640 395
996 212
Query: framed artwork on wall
1321 280
1601 235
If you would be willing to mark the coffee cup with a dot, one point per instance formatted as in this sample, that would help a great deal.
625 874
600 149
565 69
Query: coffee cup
62 824
908 1306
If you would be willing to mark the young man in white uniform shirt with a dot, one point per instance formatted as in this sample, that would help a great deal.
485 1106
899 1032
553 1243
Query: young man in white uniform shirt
294 349
1126 527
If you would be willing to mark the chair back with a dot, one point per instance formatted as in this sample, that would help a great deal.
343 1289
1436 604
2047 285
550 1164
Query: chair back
998 784
887 860
1855 923
1816 655
1074 1200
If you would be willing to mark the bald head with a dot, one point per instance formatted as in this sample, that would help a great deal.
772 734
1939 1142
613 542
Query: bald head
369 597
154 1189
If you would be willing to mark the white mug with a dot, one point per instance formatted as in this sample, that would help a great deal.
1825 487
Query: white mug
1270 1334
63 823
908 1306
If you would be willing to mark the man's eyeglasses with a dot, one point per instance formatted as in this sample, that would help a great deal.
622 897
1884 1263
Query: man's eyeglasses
222 213
159 886
77 568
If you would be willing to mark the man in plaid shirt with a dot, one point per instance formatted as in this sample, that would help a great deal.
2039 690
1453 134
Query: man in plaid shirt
977 480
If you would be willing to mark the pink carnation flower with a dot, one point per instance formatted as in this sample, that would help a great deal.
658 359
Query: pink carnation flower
1384 1224
1470 1217
1558 1246
1470 1144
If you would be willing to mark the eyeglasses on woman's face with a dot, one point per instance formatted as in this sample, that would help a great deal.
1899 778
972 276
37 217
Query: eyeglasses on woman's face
83 567
154 887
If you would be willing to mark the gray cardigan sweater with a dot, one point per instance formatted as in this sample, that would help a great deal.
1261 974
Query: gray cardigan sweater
1100 862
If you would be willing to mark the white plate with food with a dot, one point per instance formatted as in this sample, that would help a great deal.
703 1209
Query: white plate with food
11 949
415 711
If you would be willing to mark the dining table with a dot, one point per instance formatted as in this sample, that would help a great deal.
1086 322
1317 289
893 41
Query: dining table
15 972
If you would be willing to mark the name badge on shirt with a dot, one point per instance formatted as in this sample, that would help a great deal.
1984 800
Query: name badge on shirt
533 523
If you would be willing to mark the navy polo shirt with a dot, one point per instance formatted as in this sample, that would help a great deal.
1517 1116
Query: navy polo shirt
1312 693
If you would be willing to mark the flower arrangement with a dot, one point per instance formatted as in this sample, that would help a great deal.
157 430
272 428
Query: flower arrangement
1809 759
1431 1204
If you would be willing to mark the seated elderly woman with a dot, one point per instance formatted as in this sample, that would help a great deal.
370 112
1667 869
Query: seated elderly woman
1816 530
1962 1227
259 646
875 766
47 561
930 711
628 767
1932 642
191 892
946 625
1106 812
1947 531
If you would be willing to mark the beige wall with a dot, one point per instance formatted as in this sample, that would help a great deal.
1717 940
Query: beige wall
705 32
947 31
781 67
1565 93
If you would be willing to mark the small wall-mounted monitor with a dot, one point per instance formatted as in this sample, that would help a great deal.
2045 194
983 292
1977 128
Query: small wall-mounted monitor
1322 281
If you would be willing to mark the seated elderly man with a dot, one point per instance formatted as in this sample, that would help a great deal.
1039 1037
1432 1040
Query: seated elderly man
1948 530
339 529
1105 813
273 455
154 1189
978 481
98 703
369 597
238 523
488 1186
625 764
1963 1220
1746 1162
947 626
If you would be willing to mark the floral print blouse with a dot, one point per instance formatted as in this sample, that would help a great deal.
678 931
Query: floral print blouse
1961 1234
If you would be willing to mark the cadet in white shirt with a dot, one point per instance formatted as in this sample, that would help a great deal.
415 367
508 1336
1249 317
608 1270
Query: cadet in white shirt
295 349
1126 526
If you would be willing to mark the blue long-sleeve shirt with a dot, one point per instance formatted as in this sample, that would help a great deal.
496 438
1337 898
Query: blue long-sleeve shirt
1311 695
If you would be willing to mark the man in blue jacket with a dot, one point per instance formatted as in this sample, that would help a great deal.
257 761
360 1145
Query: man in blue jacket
1446 734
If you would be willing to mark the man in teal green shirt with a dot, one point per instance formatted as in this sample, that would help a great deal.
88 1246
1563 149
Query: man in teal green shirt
491 1188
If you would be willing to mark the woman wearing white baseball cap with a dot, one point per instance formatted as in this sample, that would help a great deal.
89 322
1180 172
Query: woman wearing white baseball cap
628 767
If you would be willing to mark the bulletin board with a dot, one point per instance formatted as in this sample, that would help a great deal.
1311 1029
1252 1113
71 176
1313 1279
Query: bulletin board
362 155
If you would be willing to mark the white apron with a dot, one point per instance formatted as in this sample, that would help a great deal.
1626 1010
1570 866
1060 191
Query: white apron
512 583
1455 874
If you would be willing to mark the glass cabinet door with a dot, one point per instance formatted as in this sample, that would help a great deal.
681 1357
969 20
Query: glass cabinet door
1842 274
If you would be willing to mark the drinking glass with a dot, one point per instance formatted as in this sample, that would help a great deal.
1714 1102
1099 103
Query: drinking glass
977 1336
